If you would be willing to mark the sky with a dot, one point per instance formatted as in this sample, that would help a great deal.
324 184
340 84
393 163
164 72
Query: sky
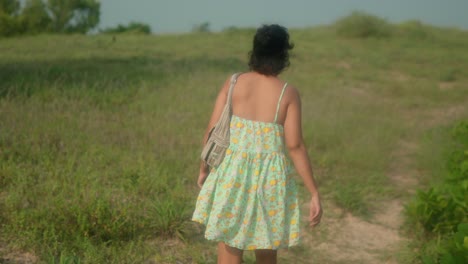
179 16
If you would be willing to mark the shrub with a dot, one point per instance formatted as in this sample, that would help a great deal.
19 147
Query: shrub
133 27
440 212
414 29
362 25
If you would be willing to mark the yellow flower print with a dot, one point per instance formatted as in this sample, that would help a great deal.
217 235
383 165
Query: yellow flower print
229 215
228 152
235 140
274 229
293 206
273 168
239 125
272 199
273 182
294 235
251 247
237 185
266 130
225 231
259 132
277 243
254 187
272 212
249 131
257 172
293 222
244 155
266 146
241 171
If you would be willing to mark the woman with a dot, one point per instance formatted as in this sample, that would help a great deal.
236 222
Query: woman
250 201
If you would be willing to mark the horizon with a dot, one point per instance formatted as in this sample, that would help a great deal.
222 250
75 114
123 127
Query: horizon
179 16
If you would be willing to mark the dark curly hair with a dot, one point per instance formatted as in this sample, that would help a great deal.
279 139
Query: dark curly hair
270 53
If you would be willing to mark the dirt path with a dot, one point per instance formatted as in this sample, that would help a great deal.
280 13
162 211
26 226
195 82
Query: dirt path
349 239
344 238
14 256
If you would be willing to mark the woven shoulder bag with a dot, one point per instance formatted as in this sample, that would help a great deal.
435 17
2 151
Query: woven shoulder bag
218 139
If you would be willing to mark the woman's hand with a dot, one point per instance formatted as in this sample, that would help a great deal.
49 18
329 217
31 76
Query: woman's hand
201 178
315 211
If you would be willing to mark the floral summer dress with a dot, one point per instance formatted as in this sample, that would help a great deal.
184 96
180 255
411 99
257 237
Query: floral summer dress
250 201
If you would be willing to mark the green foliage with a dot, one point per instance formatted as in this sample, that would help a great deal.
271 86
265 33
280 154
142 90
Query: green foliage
10 25
456 250
35 17
441 211
363 25
58 16
73 15
9 7
132 27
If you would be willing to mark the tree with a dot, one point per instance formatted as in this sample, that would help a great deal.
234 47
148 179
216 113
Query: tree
9 7
73 15
35 17
58 16
9 23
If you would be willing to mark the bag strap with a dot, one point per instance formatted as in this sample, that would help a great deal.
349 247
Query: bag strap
231 88
279 102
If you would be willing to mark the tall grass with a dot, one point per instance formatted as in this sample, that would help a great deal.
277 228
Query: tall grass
99 138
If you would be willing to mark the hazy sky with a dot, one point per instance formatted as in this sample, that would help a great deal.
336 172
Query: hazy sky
180 15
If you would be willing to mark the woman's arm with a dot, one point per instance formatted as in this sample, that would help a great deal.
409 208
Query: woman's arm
298 152
216 114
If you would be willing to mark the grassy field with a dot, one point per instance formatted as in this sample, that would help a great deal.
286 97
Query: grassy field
100 135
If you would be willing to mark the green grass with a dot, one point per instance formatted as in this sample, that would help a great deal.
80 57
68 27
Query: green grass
99 139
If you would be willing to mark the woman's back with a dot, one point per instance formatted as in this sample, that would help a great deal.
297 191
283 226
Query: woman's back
250 200
256 97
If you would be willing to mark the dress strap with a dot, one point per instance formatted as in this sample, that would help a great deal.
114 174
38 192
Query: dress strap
279 102
231 87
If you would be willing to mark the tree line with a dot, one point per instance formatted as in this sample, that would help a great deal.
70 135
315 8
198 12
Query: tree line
56 16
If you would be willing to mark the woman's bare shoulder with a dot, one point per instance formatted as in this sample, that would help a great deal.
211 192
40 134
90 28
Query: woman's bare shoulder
292 94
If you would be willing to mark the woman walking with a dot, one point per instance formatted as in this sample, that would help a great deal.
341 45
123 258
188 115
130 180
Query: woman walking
250 201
